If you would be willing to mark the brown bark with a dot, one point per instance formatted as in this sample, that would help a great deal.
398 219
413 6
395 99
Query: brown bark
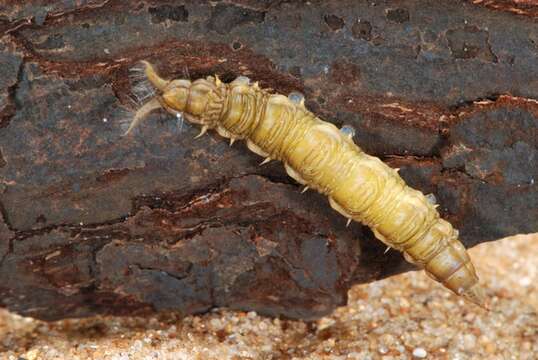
98 223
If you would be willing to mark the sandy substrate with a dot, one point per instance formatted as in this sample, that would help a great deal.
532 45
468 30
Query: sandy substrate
404 317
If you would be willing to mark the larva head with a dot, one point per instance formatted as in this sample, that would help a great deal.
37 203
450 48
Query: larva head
190 98
177 96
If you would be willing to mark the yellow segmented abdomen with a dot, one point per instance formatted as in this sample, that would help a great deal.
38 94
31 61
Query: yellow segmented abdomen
359 186
317 154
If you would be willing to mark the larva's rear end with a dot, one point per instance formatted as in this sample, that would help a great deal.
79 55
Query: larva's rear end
403 218
363 188
324 158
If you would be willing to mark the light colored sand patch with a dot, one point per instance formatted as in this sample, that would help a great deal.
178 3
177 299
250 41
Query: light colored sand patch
403 317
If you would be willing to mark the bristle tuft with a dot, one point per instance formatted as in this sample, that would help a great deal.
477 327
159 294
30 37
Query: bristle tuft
141 88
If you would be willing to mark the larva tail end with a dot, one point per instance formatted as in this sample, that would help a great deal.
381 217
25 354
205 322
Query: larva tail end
142 113
476 295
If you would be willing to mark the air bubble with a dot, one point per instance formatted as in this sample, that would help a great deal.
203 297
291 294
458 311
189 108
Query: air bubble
296 97
348 131
431 199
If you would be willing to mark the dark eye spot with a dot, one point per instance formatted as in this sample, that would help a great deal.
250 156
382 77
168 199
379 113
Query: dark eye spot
236 45
334 22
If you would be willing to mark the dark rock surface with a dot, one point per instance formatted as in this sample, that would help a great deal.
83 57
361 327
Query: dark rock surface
98 223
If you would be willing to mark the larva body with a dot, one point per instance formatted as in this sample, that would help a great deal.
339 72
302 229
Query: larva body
320 156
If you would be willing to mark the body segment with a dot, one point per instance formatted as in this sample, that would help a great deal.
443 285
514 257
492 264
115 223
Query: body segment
322 157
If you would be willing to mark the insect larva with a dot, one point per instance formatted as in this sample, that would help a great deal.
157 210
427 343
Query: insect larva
322 157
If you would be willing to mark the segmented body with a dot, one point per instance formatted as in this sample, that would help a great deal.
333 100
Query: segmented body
322 157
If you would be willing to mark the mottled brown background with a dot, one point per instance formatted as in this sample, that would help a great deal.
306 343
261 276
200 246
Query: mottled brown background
97 223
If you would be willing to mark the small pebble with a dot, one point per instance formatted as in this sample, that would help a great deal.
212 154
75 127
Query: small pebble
251 315
382 349
216 323
419 353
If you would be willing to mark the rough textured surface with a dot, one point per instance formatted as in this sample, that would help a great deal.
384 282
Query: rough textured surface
389 320
97 223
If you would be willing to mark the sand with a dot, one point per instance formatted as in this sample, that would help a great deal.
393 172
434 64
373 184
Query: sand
404 317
